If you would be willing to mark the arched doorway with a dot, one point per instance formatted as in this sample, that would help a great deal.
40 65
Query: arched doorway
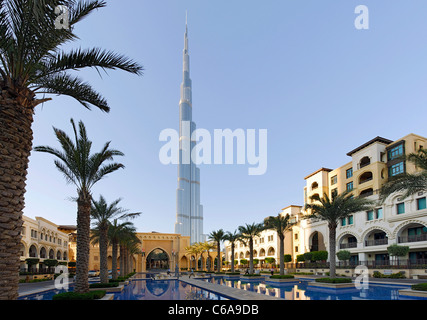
316 242
157 259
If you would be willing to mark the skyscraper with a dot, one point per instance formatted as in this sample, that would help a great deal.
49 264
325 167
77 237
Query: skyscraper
189 211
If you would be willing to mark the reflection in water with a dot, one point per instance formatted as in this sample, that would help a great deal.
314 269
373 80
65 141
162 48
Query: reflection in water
300 290
164 290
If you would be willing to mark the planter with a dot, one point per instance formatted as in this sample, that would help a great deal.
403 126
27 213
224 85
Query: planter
332 285
413 293
110 289
109 296
243 277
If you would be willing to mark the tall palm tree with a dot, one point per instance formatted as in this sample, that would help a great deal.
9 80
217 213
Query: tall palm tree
127 239
281 225
102 213
248 233
340 206
408 183
232 238
84 170
133 247
33 66
115 232
194 250
217 236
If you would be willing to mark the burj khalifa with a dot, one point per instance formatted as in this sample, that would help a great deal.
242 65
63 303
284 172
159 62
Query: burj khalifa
189 211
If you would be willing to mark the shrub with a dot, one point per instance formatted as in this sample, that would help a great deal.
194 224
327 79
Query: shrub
343 255
232 273
288 258
244 261
285 276
300 258
308 256
419 286
397 250
319 256
334 280
98 294
251 275
104 285
398 275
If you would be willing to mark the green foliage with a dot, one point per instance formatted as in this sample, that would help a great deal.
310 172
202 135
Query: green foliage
232 273
50 262
419 286
270 260
98 294
32 261
244 261
72 264
397 250
285 276
308 256
398 275
343 255
334 280
104 285
300 258
319 255
287 258
256 261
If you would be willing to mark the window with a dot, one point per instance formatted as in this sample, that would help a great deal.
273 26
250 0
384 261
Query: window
379 213
349 186
349 173
334 180
421 203
374 214
400 208
395 152
296 236
396 169
370 215
350 220
296 249
343 222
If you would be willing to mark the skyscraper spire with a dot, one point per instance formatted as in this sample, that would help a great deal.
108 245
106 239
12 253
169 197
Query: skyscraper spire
189 211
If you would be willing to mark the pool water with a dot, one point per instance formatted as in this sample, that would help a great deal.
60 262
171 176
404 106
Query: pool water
143 288
299 290
165 290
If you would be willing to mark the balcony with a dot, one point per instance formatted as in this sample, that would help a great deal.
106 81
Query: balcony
376 242
348 245
416 238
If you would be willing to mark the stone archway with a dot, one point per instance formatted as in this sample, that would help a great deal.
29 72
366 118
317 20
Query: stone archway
157 259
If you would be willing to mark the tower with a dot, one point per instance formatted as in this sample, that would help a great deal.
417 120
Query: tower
189 211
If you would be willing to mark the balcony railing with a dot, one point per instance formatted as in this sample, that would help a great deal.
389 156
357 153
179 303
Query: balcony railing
376 242
416 238
348 245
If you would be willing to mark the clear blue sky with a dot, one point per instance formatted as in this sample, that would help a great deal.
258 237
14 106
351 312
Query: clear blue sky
299 69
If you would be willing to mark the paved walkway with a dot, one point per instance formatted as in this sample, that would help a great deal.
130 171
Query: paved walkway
233 293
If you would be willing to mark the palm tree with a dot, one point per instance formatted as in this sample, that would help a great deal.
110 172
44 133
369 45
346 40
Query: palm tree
115 232
232 238
127 239
408 183
102 213
194 250
332 211
217 237
281 225
84 170
33 65
247 234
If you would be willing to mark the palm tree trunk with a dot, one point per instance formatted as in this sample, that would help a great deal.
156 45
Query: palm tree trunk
83 243
218 267
332 245
232 257
282 254
122 263
15 146
125 261
251 256
103 251
114 262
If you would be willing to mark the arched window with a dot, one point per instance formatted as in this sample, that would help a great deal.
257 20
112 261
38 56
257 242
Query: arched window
366 193
366 176
314 185
364 162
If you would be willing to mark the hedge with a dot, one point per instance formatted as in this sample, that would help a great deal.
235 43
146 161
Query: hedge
285 276
419 286
104 285
334 280
92 295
